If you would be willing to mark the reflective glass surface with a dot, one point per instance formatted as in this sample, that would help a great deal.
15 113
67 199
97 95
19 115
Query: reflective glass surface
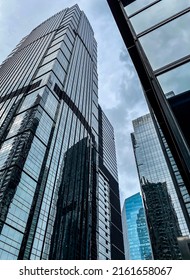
137 5
163 46
151 162
48 150
104 219
136 237
157 13
176 81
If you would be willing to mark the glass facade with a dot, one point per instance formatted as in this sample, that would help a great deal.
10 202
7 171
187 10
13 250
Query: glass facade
153 167
110 228
162 221
135 231
49 143
156 34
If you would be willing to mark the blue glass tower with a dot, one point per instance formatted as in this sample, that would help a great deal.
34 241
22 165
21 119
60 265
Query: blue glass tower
136 237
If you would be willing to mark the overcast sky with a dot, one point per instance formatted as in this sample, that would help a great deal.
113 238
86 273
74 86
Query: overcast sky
120 94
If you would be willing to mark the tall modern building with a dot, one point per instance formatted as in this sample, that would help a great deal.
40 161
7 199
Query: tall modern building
158 186
135 231
110 227
161 58
56 201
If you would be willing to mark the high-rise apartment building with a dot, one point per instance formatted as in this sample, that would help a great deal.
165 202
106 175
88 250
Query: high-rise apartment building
161 58
162 202
50 178
135 231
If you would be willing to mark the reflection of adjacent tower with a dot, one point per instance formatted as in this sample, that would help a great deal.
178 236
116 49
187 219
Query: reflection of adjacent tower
72 234
135 231
145 247
162 221
152 165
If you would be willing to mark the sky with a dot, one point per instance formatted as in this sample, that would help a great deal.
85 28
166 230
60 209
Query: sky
120 93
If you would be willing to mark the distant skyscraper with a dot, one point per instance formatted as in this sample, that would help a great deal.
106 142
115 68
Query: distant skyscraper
110 228
135 231
50 177
162 60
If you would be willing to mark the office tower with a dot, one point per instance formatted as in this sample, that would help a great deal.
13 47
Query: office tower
49 170
110 228
153 167
135 231
161 58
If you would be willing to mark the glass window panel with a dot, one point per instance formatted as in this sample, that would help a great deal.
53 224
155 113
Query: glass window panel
54 48
157 13
16 125
57 40
29 100
163 46
136 5
35 158
63 60
50 103
50 57
60 32
10 242
59 71
45 68
94 123
95 98
65 50
176 81
102 257
94 109
52 80
70 22
71 35
5 150
68 43
44 128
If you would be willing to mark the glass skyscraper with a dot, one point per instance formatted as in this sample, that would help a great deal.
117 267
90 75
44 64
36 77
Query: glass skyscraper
161 199
151 163
156 34
135 231
49 148
110 228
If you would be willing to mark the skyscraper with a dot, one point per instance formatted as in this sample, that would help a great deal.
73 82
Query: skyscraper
110 228
156 173
135 231
49 142
161 58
